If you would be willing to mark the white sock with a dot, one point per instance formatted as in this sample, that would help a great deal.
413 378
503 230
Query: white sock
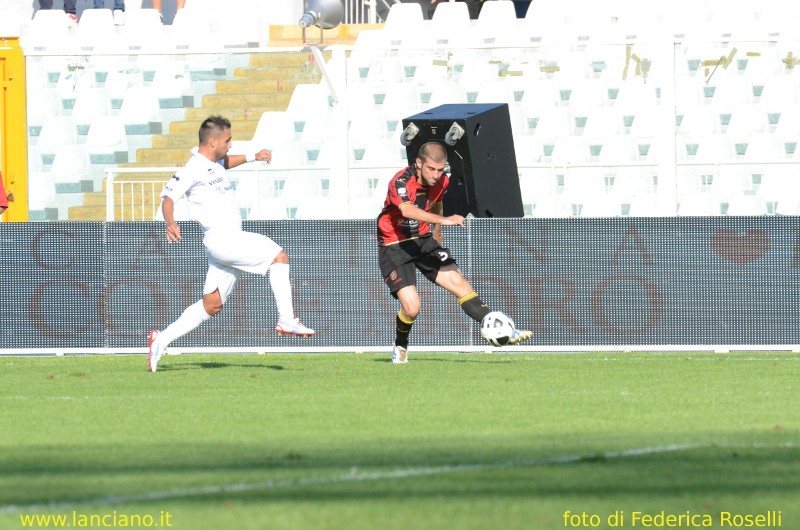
192 316
282 289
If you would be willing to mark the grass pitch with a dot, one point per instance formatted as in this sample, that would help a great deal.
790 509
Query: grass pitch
483 441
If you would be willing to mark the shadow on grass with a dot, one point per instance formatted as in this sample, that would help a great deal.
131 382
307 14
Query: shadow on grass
452 359
701 471
207 365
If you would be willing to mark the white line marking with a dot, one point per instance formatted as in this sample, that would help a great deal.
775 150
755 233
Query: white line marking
364 476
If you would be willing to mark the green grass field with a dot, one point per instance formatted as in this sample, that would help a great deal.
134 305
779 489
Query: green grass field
335 441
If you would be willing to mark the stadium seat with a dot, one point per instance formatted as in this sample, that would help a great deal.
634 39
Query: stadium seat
385 152
173 85
697 122
97 31
143 31
554 123
496 91
308 102
715 148
528 150
370 49
118 81
191 27
316 132
106 141
140 111
15 18
741 204
42 198
730 92
268 208
401 17
42 103
274 127
383 76
287 154
364 129
50 30
358 98
318 208
616 150
550 206
498 25
34 159
601 124
698 203
428 69
450 22
586 96
77 76
599 206
765 147
71 169
779 90
446 92
570 150
90 103
299 188
240 27
644 205
57 132
746 120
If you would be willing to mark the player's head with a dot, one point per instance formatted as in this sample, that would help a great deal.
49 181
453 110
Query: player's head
433 151
215 135
430 163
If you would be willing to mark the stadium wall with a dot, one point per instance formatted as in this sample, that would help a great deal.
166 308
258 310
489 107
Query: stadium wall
580 283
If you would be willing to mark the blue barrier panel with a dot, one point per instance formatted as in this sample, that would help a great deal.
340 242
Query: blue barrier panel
575 282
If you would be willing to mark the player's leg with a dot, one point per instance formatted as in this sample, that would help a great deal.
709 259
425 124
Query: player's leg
218 286
288 323
258 254
440 267
451 279
397 269
404 321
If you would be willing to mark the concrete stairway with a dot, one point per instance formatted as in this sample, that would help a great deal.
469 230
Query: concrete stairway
265 84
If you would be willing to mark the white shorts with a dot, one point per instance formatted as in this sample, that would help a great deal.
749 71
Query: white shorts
232 252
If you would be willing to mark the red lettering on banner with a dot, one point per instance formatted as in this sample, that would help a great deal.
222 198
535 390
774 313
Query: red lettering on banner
561 305
537 252
158 301
632 240
36 303
152 244
36 249
601 318
740 248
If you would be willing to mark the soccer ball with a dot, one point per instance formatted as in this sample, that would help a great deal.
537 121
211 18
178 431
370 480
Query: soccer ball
497 328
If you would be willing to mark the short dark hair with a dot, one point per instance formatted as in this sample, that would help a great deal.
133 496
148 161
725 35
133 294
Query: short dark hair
212 126
433 150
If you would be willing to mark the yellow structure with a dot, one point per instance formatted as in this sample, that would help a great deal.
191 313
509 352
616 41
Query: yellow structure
13 128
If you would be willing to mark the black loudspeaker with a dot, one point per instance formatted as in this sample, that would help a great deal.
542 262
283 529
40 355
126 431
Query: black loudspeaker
480 149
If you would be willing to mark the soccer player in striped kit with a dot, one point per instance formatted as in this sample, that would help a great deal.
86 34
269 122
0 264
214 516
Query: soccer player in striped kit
407 242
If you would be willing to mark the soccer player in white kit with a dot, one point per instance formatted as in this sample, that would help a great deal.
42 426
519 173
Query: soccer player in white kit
230 250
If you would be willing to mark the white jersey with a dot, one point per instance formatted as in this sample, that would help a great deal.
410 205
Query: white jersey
209 191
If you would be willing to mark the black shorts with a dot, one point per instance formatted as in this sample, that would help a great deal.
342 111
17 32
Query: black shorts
399 260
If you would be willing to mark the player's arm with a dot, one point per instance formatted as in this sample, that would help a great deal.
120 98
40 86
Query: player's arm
232 161
415 213
173 230
437 209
